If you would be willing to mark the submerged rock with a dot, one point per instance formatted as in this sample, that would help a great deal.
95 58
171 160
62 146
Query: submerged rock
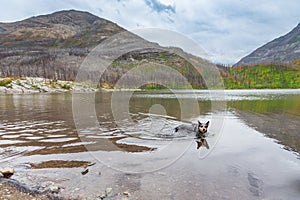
255 184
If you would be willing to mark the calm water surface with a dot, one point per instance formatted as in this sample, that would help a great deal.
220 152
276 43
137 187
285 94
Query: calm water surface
254 142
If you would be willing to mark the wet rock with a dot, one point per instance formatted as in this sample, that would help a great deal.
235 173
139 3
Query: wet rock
90 164
102 196
85 171
108 191
7 172
54 189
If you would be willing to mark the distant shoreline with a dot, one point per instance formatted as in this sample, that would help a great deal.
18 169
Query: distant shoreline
32 85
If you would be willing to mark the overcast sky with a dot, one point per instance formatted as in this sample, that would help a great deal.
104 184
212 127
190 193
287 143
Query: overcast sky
226 29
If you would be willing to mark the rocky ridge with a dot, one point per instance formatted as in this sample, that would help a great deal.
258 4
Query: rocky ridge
285 49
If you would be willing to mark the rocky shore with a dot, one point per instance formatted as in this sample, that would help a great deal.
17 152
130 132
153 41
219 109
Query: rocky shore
41 85
14 189
10 191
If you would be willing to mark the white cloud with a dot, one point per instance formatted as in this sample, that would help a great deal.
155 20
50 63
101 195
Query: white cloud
226 29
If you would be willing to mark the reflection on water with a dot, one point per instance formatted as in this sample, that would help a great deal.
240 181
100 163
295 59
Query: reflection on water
202 142
40 128
277 117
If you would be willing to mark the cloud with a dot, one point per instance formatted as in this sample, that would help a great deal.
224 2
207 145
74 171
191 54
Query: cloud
160 7
226 29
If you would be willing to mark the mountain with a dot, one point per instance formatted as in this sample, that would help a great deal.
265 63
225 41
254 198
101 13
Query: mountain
60 29
51 46
284 49
54 46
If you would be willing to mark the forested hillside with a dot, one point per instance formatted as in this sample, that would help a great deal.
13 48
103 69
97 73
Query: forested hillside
262 76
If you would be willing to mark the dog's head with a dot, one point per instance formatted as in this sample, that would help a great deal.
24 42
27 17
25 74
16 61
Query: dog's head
202 127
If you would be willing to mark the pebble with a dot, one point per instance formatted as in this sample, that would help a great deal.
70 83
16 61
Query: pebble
162 173
102 196
54 189
126 193
108 191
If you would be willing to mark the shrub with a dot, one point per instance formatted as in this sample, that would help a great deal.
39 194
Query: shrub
5 82
66 86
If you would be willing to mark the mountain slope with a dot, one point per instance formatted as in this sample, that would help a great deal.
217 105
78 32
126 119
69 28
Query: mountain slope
284 49
60 29
54 47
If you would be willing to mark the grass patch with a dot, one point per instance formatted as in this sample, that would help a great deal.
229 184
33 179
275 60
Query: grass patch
153 87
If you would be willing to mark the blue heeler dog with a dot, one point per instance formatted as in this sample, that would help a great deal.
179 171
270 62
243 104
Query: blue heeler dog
200 129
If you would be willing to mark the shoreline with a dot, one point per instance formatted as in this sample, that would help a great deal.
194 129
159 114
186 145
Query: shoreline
35 85
29 85
13 189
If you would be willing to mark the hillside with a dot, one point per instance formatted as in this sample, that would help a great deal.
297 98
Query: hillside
51 46
284 49
54 46
262 76
60 29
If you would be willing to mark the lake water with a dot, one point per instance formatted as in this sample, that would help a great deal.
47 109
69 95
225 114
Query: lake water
253 139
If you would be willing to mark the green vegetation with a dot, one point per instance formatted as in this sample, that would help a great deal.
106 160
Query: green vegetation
295 39
5 82
262 76
66 86
259 76
35 87
18 82
163 56
153 86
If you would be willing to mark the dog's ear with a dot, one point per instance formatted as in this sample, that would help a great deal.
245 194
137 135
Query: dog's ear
207 123
199 122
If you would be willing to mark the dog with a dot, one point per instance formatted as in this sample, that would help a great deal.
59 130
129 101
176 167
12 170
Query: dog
200 129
